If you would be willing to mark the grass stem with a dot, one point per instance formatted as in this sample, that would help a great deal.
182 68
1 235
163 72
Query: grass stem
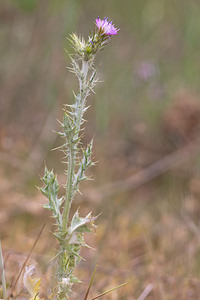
3 274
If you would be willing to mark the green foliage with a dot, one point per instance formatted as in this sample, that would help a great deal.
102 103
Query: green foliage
27 5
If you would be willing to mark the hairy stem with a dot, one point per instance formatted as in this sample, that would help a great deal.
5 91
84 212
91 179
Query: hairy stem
69 187
72 151
83 95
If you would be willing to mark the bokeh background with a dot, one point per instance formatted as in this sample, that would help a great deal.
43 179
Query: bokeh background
145 116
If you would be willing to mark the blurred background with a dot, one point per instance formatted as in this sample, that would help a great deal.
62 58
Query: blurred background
145 117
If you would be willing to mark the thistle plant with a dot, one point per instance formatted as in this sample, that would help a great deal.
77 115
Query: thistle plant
70 231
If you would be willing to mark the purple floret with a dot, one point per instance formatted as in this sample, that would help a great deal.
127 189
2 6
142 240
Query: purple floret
106 26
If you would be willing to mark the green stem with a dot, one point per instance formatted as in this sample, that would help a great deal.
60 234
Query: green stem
70 191
72 151
69 187
83 95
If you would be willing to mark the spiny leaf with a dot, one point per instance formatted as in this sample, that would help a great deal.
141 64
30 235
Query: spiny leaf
79 224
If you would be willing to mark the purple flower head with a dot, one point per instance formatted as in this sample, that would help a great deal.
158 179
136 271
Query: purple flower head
106 26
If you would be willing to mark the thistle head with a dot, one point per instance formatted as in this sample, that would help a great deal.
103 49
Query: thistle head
106 27
96 42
